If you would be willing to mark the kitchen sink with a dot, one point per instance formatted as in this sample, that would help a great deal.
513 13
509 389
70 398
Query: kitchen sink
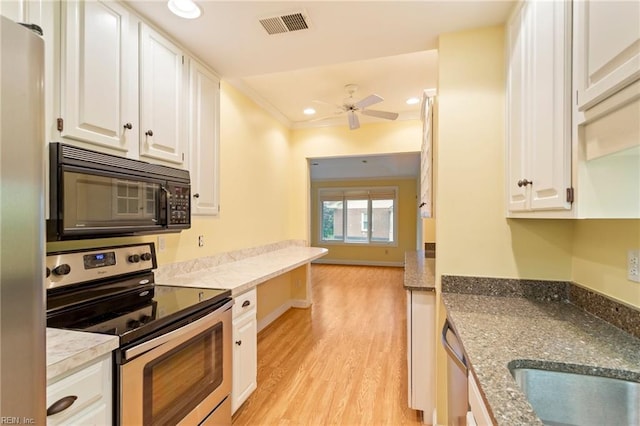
562 398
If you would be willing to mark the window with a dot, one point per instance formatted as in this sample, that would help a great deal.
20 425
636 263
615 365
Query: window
358 215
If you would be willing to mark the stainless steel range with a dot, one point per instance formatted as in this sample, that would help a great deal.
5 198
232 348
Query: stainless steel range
173 365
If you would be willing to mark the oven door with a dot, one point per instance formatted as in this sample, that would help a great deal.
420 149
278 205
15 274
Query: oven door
179 377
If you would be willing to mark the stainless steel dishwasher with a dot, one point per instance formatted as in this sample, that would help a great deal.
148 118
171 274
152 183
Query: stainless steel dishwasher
457 377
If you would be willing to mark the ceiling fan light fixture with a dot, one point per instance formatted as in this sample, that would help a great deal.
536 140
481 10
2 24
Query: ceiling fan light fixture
309 111
187 9
413 101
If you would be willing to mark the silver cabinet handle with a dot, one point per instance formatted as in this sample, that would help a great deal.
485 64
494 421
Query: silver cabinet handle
61 405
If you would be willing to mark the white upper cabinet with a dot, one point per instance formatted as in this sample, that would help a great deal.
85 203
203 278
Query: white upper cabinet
606 129
28 11
607 48
162 93
539 109
97 99
204 131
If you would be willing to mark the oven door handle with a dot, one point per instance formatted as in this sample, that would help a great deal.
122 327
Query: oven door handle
197 326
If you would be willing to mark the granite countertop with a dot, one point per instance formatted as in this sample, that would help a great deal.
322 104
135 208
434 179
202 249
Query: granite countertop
243 274
419 272
68 349
497 330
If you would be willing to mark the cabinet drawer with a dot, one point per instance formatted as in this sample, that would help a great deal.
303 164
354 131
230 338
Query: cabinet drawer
245 303
87 385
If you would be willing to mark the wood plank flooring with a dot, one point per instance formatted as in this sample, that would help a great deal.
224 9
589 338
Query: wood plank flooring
341 362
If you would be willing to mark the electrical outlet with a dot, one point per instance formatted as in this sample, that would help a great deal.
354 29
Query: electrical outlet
633 265
200 240
161 243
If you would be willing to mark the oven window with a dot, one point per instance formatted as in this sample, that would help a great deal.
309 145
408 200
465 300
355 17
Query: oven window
176 382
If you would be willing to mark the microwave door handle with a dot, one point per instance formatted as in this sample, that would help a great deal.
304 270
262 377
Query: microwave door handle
164 206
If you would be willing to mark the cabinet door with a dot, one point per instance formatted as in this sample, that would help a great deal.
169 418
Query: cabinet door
161 97
28 11
539 108
608 48
95 93
517 33
204 89
245 364
549 149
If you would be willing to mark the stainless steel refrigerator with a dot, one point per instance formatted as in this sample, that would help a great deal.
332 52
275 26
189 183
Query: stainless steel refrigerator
22 294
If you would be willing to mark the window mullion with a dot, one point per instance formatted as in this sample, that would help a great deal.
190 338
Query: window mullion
344 219
369 220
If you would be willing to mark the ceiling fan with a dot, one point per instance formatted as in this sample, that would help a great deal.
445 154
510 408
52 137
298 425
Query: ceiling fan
350 106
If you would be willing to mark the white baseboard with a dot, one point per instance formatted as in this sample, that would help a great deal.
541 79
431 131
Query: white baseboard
275 314
300 303
358 262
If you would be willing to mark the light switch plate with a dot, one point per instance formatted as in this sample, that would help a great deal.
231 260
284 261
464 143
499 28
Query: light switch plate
633 265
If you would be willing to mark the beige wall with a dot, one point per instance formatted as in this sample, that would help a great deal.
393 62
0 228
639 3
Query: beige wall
372 138
600 257
473 235
406 217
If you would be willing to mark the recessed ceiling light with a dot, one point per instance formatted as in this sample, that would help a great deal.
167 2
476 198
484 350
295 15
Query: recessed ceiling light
309 111
413 101
184 8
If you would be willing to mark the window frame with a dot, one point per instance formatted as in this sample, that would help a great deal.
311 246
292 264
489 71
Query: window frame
345 193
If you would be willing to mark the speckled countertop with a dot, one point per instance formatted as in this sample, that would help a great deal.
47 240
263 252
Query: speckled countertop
68 349
497 330
419 272
242 274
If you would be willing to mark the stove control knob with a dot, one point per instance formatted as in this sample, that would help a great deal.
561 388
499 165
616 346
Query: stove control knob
63 269
145 256
145 319
134 258
131 324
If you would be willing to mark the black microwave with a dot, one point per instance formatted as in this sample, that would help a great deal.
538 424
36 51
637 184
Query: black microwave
97 195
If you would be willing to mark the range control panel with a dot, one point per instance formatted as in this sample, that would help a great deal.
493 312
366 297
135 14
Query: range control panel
80 266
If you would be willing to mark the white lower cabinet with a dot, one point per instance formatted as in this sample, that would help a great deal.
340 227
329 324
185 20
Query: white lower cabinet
82 397
245 349
421 351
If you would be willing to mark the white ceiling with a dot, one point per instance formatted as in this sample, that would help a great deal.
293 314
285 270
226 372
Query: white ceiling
365 167
385 47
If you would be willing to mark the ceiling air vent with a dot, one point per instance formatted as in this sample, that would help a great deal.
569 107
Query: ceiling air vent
285 23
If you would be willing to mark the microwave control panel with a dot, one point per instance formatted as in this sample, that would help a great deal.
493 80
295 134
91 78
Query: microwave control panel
179 205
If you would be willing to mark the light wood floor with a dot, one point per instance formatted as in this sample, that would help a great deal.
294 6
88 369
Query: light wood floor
342 361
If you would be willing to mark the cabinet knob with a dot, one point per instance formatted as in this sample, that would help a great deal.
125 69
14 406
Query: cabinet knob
196 195
149 133
128 126
524 182
238 342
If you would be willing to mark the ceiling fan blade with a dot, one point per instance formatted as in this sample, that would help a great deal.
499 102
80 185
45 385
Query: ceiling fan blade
369 100
380 114
354 123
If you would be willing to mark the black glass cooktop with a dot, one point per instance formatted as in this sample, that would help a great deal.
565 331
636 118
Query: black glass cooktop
131 310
